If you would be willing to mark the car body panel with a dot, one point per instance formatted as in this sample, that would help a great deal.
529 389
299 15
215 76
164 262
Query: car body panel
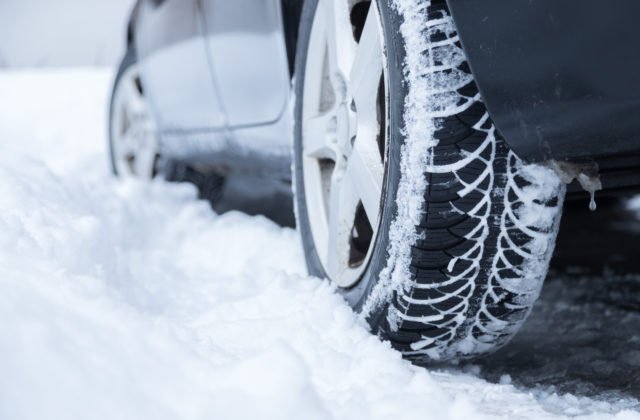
175 68
560 78
245 40
218 80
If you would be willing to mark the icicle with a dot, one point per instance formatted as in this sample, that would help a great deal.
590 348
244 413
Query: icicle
590 185
585 173
592 203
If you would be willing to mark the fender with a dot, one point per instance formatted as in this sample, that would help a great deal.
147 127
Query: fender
291 11
131 25
559 78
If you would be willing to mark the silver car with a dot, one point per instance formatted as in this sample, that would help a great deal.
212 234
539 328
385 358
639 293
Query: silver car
430 196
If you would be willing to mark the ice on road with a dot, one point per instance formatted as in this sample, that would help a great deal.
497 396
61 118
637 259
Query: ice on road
125 300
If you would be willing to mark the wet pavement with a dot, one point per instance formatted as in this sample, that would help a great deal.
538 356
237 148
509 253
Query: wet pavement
583 336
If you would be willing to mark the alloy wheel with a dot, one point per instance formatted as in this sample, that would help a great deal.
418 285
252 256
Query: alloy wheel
344 135
133 130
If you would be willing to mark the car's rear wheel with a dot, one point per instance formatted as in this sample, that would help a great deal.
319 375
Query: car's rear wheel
407 198
133 140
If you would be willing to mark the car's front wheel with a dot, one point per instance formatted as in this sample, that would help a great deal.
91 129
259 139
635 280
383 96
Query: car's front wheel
408 200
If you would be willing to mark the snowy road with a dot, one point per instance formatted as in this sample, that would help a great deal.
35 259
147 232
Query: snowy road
120 300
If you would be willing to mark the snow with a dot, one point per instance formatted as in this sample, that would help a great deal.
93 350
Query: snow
634 204
135 301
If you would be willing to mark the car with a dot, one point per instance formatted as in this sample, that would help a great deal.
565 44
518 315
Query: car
427 144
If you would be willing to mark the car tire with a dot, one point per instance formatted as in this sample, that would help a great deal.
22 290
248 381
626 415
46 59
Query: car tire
133 140
465 229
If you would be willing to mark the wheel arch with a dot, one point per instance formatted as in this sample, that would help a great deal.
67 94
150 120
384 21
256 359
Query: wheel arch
291 14
132 23
544 70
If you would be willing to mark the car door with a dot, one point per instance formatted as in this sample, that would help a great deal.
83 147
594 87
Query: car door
175 70
248 55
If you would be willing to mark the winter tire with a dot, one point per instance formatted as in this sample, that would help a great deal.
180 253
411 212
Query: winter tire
133 142
407 198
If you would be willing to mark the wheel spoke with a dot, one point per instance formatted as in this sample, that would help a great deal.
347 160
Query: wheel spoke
342 211
341 131
339 36
365 163
314 83
366 172
144 163
367 68
320 134
127 145
134 102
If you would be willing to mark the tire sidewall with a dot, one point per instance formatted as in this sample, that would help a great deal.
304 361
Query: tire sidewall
357 295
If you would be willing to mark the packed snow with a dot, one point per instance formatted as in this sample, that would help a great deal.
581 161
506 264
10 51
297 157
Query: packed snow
126 300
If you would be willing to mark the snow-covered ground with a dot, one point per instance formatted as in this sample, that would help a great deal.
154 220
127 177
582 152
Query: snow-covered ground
120 300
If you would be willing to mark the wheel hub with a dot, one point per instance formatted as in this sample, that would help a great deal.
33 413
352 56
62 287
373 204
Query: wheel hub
347 129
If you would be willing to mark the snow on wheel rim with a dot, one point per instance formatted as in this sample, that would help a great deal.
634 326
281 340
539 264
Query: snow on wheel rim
134 134
344 135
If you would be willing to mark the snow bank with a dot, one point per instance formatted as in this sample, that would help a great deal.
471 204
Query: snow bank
132 301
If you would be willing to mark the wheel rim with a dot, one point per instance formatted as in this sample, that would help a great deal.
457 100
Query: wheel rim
133 130
344 135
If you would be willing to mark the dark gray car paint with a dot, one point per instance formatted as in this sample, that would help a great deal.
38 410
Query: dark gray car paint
561 79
